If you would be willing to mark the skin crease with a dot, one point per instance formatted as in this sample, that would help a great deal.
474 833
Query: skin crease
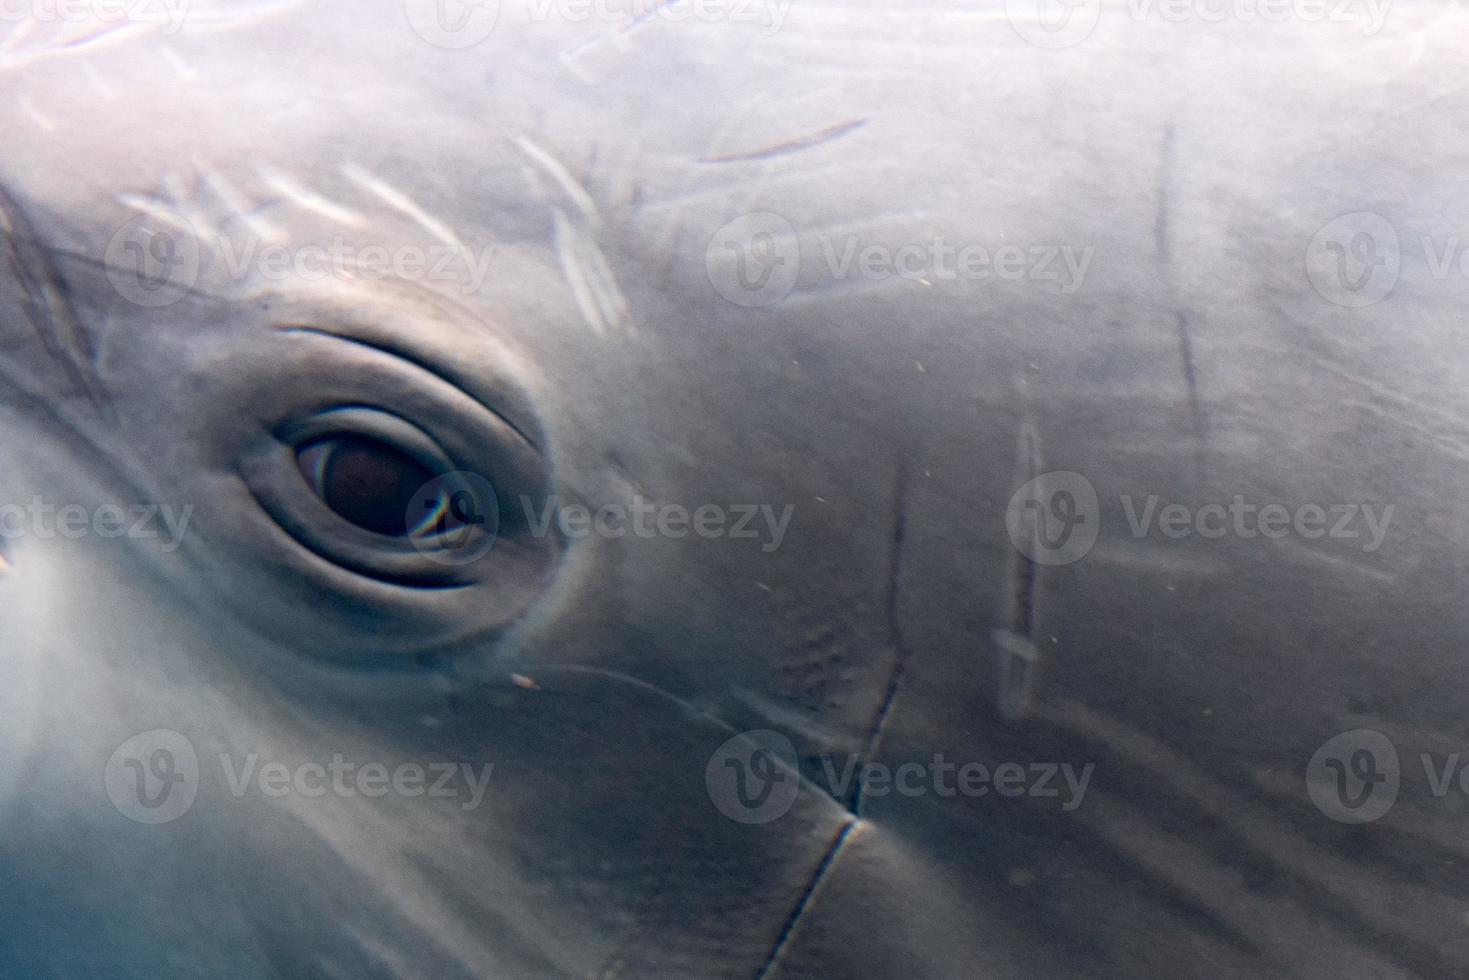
596 359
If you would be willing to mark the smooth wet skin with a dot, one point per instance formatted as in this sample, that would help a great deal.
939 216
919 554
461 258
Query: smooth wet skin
571 183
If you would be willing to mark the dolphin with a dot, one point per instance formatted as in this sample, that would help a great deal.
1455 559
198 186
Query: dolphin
771 489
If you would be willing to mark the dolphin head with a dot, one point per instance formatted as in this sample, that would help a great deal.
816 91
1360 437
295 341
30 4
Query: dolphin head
556 505
410 271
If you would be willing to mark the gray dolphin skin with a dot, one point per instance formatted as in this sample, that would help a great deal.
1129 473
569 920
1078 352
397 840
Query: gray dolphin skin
581 488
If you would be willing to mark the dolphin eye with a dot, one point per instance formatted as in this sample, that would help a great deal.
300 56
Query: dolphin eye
365 481
367 489
381 504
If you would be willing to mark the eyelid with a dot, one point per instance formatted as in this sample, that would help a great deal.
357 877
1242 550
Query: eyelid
372 423
504 409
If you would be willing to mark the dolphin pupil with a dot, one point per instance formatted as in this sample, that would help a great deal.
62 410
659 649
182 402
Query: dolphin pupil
364 481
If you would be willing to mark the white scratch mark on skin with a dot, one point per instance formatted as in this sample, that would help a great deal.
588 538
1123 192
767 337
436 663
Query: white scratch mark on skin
898 222
1310 553
1259 827
773 178
1154 559
399 201
759 108
87 36
425 908
310 200
562 177
645 18
1417 45
1020 663
1193 871
822 136
188 205
238 204
616 38
842 289
776 714
568 62
35 115
574 59
217 22
44 48
156 209
601 303
1404 409
185 71
90 33
1436 828
20 33
99 84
